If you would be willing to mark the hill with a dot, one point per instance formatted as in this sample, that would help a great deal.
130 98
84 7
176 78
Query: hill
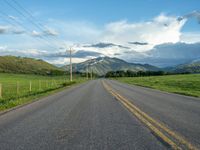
102 65
12 64
191 67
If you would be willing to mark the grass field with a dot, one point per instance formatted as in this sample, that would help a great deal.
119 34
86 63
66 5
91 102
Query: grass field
17 89
181 84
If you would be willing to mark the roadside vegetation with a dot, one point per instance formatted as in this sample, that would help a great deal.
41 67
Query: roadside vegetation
188 84
17 89
130 73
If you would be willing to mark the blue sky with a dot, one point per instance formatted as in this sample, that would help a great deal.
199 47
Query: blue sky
104 11
85 22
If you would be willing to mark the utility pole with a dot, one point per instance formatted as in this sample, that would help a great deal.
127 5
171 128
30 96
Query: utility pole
70 53
91 74
87 71
74 71
70 61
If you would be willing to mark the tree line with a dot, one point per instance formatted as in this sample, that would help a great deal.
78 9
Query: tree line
130 73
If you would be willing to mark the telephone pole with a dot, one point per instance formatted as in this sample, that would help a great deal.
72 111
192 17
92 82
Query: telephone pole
70 53
91 74
70 60
74 71
87 71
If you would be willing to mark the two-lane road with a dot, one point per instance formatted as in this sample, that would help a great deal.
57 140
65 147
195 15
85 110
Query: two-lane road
89 117
179 113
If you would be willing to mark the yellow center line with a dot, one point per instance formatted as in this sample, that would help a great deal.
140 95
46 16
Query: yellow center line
150 122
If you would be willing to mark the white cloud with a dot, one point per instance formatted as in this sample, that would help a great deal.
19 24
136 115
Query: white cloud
8 29
3 47
36 33
190 37
24 53
47 32
159 30
62 61
162 29
50 32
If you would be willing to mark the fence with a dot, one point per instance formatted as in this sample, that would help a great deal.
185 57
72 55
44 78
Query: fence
24 88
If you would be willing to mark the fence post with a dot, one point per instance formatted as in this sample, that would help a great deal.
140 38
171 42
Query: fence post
17 87
39 84
46 84
30 86
52 83
0 90
55 82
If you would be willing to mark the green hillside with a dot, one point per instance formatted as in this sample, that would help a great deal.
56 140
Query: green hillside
102 65
192 67
12 64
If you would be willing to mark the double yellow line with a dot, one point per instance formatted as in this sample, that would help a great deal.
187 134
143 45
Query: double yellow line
177 142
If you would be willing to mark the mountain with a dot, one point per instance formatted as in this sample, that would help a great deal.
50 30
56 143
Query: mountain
171 54
12 64
102 65
191 67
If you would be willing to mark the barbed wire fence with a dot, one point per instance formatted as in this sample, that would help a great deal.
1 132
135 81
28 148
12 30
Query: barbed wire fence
18 89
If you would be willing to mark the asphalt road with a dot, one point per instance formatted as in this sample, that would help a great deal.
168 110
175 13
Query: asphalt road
88 117
179 113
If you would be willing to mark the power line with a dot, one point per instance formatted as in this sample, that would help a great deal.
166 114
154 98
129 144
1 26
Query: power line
6 19
36 23
17 23
29 14
19 12
32 22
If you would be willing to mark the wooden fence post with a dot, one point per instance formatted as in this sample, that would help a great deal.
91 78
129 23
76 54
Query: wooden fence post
39 84
52 83
55 82
0 90
46 84
17 87
30 86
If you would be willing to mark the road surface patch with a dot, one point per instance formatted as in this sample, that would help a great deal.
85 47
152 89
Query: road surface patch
167 135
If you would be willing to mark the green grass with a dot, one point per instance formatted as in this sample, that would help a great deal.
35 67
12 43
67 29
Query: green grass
181 84
16 87
22 65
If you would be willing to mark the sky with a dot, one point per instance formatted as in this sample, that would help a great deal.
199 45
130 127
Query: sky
144 31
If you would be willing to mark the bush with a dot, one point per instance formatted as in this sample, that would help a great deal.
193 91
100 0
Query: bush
68 83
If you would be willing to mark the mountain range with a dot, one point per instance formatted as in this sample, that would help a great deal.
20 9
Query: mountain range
100 66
